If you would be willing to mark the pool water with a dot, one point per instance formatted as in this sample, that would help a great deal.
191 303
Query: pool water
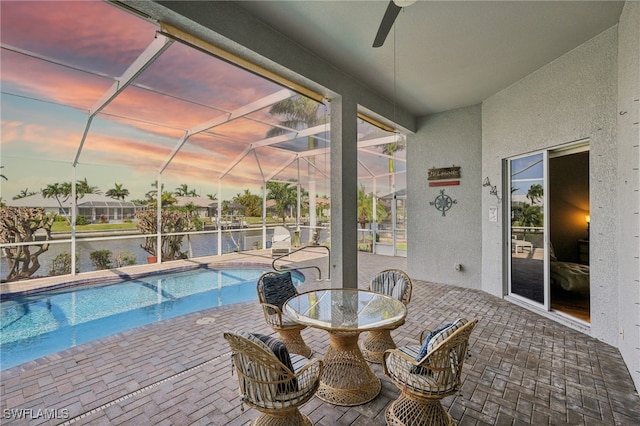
38 325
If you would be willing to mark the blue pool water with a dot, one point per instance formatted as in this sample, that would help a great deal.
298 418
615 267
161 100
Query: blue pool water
38 325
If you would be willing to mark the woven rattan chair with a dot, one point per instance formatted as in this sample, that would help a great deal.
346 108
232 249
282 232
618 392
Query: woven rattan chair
267 385
424 383
394 283
272 302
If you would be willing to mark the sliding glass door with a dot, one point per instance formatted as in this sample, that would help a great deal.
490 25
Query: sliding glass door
548 228
527 175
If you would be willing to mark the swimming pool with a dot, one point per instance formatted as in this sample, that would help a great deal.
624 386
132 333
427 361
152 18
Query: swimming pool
38 325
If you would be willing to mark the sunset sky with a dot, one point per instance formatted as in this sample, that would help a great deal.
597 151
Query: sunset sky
59 58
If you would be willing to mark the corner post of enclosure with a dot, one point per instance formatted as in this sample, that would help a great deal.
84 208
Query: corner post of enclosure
74 205
374 219
219 227
298 201
264 214
159 218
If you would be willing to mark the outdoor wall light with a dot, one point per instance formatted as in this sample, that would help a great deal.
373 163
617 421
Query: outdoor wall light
493 190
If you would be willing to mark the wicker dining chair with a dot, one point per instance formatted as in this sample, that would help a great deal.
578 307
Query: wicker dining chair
394 283
271 380
425 380
274 289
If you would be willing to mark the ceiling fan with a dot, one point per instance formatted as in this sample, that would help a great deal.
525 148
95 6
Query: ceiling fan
393 9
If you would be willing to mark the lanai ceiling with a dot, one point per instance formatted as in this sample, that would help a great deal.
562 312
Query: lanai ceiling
448 54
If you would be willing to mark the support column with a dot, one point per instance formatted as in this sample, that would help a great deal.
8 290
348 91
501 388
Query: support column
344 193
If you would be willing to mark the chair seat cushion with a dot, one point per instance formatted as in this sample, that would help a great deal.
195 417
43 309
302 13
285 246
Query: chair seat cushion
389 283
417 382
278 288
280 351
304 386
433 339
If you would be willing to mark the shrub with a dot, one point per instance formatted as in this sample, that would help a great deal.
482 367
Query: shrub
101 259
20 225
81 220
61 264
125 258
172 221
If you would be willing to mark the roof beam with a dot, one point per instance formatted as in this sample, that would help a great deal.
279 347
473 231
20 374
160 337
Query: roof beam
225 118
142 62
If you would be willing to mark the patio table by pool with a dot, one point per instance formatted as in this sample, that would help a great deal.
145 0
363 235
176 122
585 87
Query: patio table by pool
346 379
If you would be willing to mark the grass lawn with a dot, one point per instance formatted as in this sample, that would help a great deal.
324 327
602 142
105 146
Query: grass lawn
65 227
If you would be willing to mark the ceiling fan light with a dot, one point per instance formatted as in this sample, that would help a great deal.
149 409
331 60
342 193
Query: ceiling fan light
404 3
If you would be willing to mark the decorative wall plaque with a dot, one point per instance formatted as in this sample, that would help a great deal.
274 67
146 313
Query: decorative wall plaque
443 173
443 202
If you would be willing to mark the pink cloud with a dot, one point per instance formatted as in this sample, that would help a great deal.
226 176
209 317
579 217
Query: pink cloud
90 34
101 38
41 80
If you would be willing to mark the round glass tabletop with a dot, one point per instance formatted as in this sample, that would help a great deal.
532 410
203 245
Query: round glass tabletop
345 310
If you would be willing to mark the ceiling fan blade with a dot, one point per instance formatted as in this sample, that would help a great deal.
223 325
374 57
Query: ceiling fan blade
387 22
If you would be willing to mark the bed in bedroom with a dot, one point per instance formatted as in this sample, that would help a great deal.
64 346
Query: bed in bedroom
570 276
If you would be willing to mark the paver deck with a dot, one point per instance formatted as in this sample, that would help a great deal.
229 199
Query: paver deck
524 369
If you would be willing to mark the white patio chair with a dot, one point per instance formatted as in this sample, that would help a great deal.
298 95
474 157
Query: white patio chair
281 241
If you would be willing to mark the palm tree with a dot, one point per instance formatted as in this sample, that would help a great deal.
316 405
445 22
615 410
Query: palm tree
152 193
83 188
63 190
184 191
300 112
284 194
1 175
252 203
365 208
57 191
390 149
118 192
212 197
167 199
24 193
535 193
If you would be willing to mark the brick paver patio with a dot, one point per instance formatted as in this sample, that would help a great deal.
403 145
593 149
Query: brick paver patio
524 369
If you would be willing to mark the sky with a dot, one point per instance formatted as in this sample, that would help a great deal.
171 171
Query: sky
59 58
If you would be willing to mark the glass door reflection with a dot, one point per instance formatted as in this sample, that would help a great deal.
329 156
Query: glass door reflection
527 183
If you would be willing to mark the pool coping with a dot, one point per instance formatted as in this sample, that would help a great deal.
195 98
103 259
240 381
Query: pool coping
12 290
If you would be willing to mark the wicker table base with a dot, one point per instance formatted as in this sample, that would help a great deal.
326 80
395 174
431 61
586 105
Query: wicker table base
346 378
375 343
291 418
408 411
292 339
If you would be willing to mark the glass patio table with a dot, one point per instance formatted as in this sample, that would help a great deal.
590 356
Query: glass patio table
346 378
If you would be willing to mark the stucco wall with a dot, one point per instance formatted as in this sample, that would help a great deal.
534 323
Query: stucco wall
572 98
628 184
436 242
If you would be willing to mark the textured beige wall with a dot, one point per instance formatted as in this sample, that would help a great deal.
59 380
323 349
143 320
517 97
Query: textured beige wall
628 184
573 98
436 242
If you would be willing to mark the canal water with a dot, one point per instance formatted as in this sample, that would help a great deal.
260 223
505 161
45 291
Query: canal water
197 245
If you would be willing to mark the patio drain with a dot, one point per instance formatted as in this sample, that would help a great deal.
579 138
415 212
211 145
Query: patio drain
205 320
142 390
